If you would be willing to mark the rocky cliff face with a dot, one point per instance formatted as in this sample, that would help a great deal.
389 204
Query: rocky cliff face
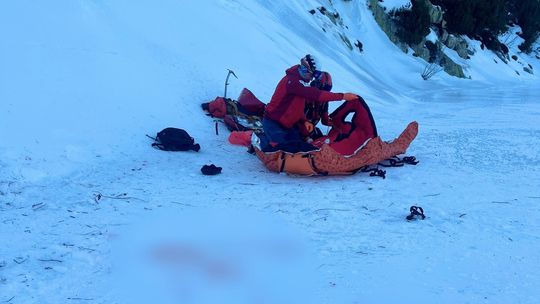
421 50
441 50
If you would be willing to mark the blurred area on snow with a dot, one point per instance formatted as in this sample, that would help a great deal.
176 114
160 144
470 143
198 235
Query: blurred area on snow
213 256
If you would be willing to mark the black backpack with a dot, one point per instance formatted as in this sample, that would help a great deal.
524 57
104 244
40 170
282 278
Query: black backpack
173 139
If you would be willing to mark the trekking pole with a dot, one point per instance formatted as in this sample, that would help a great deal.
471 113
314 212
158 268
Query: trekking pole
227 81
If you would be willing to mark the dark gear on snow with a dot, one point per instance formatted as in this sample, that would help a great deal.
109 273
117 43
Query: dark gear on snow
210 170
399 162
374 171
416 212
173 139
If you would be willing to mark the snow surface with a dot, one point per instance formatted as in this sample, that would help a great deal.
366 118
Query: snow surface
90 213
391 4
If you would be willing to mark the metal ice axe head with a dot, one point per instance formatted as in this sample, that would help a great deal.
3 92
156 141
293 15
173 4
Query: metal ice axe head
227 81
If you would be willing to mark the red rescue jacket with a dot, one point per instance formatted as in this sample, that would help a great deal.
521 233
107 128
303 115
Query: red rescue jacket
288 102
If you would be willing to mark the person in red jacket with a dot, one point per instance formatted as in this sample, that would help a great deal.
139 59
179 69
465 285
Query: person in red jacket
284 122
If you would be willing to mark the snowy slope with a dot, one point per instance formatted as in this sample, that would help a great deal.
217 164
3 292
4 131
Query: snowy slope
87 208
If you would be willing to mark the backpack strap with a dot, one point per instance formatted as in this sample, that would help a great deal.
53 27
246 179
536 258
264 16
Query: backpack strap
282 157
314 166
151 137
156 144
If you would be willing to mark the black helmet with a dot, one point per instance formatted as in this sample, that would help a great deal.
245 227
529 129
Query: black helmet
310 62
322 81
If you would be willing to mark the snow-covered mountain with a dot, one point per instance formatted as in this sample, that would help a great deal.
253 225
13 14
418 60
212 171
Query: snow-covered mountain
83 195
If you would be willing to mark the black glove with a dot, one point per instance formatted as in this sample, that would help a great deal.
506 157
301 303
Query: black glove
210 170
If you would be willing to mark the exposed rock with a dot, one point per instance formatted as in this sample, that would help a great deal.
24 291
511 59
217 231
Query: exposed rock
451 41
462 50
435 13
504 49
526 69
335 18
434 51
457 44
421 51
386 24
504 58
451 67
443 36
389 28
346 41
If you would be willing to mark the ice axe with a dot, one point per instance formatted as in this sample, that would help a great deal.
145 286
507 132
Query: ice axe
227 81
225 94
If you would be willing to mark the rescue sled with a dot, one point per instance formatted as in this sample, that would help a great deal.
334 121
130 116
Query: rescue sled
326 160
